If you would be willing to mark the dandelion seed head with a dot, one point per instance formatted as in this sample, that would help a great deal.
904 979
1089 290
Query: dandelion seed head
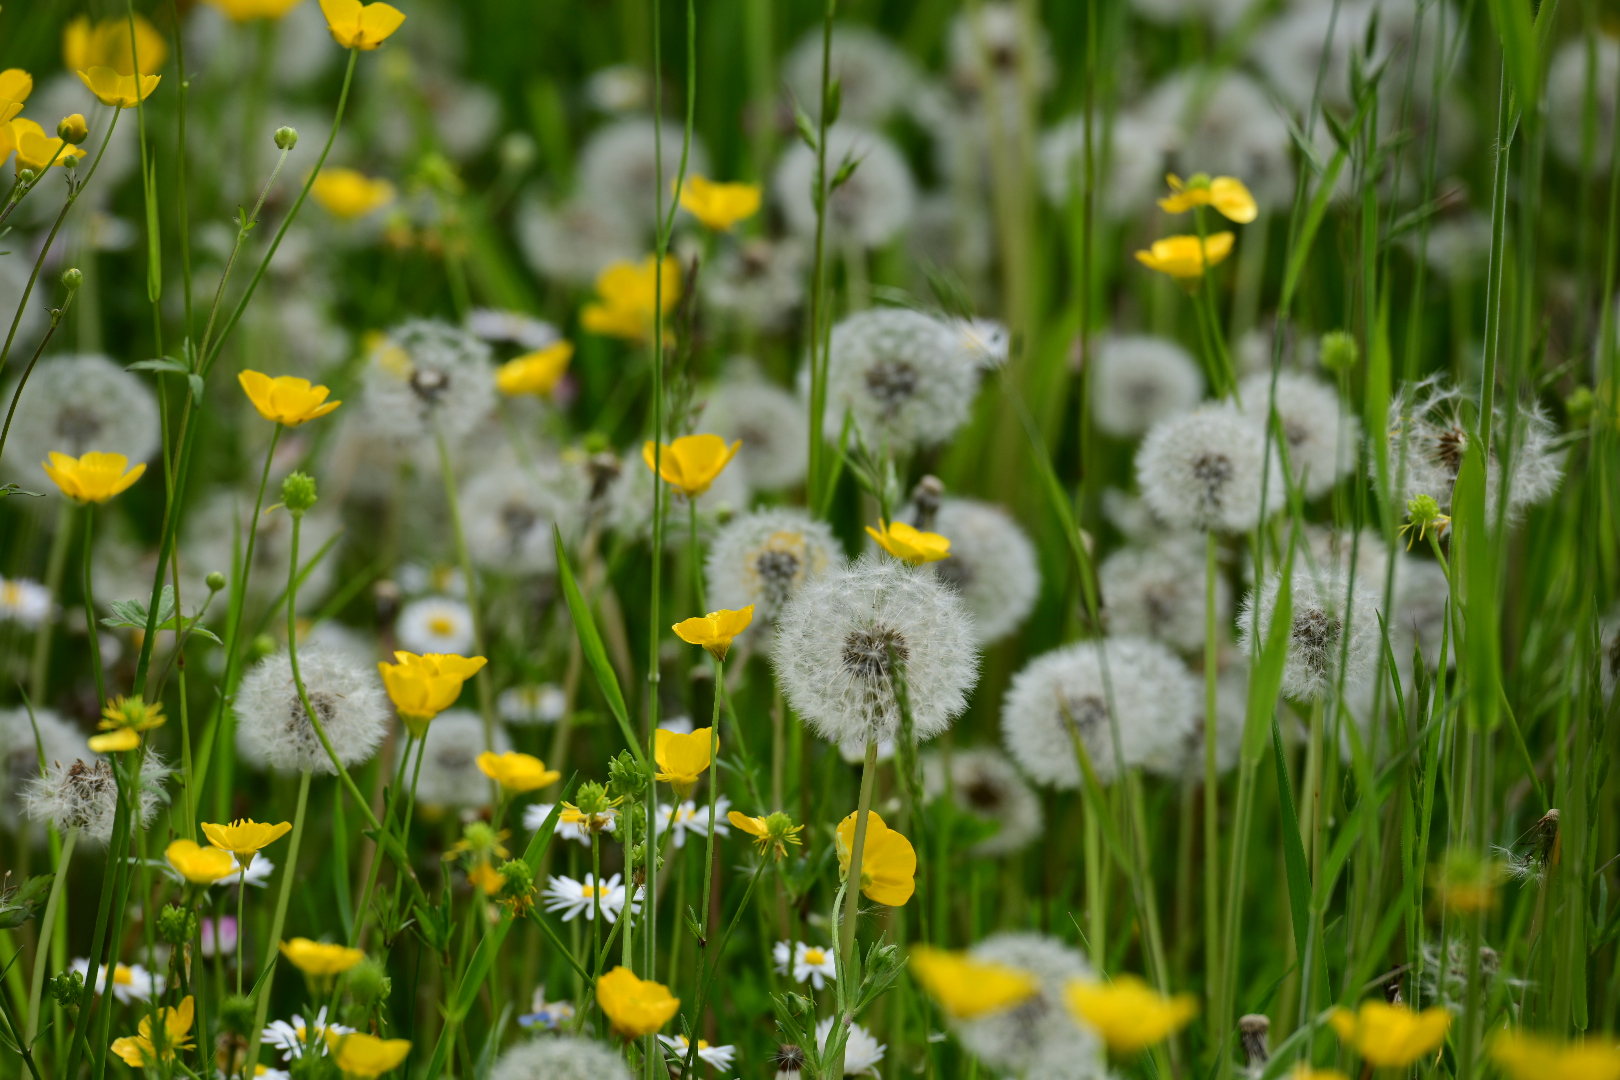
427 376
75 404
273 730
1158 591
992 565
21 754
992 43
873 205
1231 714
1139 380
562 1057
875 77
764 558
1037 1037
1335 629
1131 148
450 774
1203 470
508 511
619 170
82 793
758 282
572 242
834 641
1234 130
988 787
1321 438
1154 699
904 377
770 422
216 534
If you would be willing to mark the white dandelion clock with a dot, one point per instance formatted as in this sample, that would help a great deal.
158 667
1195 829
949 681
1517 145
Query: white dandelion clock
862 1052
509 510
837 639
501 327
1129 151
993 42
1159 591
216 537
619 168
562 1057
1321 437
986 787
1203 470
1334 635
76 404
989 342
771 424
1137 380
436 624
992 565
427 378
758 282
1235 130
22 755
273 730
903 377
1231 715
871 207
1153 696
875 78
1037 1037
450 775
1326 547
574 241
532 703
764 558
84 795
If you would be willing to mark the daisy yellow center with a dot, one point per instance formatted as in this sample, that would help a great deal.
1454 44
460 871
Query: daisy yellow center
123 976
590 892
815 956
11 593
441 625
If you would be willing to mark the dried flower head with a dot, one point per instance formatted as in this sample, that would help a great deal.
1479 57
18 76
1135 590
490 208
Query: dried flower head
84 796
1335 636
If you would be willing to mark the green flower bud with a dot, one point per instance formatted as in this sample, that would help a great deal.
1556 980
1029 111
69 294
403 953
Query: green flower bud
215 581
176 925
1339 351
236 1014
263 645
286 138
1580 405
298 493
67 989
368 982
72 129
72 278
27 176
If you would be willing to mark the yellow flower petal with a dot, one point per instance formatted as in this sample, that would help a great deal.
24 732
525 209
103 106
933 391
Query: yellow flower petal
968 988
716 630
535 373
197 864
317 959
910 544
1179 256
93 478
360 26
691 463
888 861
636 1007
1128 1013
719 206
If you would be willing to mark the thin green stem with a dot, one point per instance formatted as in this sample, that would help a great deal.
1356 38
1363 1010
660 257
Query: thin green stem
272 945
46 926
1212 838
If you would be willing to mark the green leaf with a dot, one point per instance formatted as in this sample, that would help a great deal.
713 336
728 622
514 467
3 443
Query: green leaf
1265 683
1475 564
24 903
590 643
154 240
1299 878
196 389
1308 228
161 363
1512 21
133 614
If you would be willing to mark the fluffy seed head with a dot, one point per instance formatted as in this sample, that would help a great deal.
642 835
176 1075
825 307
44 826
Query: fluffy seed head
425 376
986 786
1137 380
834 641
1202 470
871 207
771 424
1038 1037
874 76
564 1057
273 730
216 536
76 404
905 378
20 754
1155 701
573 242
450 773
992 565
84 794
508 512
764 558
1335 629
1158 591
1321 439
618 168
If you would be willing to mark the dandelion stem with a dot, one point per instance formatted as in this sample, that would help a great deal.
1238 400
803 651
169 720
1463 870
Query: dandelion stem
47 924
90 604
1212 836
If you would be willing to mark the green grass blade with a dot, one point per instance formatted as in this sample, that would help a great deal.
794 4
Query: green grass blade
590 643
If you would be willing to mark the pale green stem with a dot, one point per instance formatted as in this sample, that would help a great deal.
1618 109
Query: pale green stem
41 954
852 891
1212 838
272 946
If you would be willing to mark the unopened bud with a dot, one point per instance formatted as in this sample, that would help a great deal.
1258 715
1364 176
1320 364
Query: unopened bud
1339 351
298 493
215 581
72 278
286 138
1254 1032
72 129
26 176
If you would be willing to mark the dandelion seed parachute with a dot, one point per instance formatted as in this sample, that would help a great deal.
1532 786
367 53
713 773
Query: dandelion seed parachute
1154 699
764 558
904 377
771 424
992 566
563 1057
618 168
21 756
834 641
1335 631
1159 591
572 242
1321 438
873 206
986 786
874 76
757 282
450 774
1138 381
1038 1037
83 794
1203 470
273 730
76 404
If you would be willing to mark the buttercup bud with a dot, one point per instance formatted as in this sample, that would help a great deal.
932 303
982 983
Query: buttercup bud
72 279
1339 351
286 138
25 176
1579 405
72 129
215 581
368 982
67 989
298 493
176 925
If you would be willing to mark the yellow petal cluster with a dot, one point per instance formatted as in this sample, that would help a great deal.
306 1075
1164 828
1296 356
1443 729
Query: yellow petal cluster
628 298
348 193
37 150
122 721
244 837
1225 193
367 1056
1526 1057
422 687
536 372
773 832
197 864
107 44
1391 1036
719 206
1183 258
888 861
360 26
15 86
636 1007
286 399
142 1050
1128 1013
691 463
909 543
119 91
243 10
319 960
968 988
517 772
93 478
715 630
682 758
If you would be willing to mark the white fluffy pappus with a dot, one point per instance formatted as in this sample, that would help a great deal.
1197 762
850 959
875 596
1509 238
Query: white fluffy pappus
572 242
1334 630
835 638
986 786
1154 700
427 376
758 282
904 377
992 565
770 422
1203 470
273 730
1138 380
75 404
217 534
21 755
1128 152
80 794
1038 1037
764 558
619 168
562 1057
1321 437
450 775
874 76
1158 591
509 511
870 208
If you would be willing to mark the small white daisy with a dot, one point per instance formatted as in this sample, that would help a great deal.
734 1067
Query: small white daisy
436 624
292 1039
532 704
535 814
130 982
718 1056
572 897
23 601
690 817
808 963
862 1051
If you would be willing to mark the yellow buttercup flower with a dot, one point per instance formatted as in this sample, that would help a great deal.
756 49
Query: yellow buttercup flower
107 44
719 206
197 864
367 1056
1388 1035
967 987
1527 1057
1128 1013
911 544
93 478
144 1049
360 26
244 837
535 373
422 687
715 630
1303 1071
773 832
123 720
350 194
682 758
888 861
243 10
286 399
37 150
1179 256
319 960
517 772
15 86
123 91
627 298
636 1007
1225 193
692 462
73 129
